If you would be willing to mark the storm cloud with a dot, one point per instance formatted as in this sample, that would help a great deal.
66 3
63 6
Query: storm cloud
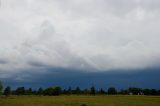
87 35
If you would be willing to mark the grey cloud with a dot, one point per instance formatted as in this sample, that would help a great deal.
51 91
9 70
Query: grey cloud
2 61
37 64
80 34
51 50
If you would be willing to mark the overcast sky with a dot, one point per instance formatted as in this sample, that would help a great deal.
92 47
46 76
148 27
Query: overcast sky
88 35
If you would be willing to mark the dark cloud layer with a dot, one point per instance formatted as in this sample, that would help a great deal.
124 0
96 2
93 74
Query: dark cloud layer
66 77
83 35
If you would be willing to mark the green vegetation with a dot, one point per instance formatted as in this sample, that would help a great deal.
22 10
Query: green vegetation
56 96
55 91
93 91
1 87
7 91
112 91
81 100
52 91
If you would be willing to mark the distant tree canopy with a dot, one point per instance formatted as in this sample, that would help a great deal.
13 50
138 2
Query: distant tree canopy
69 91
20 91
93 91
56 90
40 91
7 91
102 91
1 88
134 90
29 91
77 90
52 91
112 91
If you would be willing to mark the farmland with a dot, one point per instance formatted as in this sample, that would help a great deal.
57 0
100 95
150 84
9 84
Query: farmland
80 100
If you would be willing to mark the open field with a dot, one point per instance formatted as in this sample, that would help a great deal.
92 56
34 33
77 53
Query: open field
74 100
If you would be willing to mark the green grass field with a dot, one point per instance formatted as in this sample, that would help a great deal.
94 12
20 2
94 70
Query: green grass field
74 100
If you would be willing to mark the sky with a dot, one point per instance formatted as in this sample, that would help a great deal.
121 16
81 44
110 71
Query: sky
101 41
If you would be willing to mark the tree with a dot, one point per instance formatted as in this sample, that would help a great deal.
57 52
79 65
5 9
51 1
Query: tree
123 92
77 90
69 91
153 91
134 90
40 91
112 91
158 92
64 91
7 91
1 88
52 91
57 90
86 91
147 92
48 91
93 91
29 91
20 91
102 91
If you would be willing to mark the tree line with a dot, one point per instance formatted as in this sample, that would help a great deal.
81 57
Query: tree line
55 91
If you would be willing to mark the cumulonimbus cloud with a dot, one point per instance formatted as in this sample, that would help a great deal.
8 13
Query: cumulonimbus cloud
79 34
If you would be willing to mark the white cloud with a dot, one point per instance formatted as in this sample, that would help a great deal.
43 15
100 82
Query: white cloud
81 34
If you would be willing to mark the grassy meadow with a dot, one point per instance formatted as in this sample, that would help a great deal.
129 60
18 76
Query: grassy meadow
73 100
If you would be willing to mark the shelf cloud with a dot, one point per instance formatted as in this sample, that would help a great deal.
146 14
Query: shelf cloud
87 35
